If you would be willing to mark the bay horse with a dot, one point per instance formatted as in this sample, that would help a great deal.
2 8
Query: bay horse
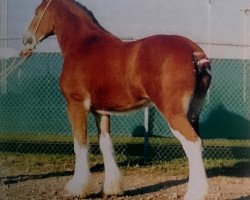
105 75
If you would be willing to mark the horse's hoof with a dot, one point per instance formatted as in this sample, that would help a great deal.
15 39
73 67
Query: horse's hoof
76 190
115 191
113 187
189 197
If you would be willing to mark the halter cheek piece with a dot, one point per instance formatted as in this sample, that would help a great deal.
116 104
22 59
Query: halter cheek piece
39 22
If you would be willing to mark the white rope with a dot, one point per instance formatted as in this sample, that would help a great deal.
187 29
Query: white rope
12 67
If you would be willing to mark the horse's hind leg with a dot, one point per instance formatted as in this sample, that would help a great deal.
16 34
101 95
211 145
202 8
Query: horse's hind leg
192 145
78 186
174 109
113 183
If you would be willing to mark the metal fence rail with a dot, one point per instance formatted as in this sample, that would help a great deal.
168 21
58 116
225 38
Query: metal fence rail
33 116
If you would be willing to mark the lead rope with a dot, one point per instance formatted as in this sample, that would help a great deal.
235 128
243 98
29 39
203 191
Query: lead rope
13 66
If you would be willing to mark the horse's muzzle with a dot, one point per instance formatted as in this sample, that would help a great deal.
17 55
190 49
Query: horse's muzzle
29 42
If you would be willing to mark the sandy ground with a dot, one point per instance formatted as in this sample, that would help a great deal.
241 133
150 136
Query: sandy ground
138 186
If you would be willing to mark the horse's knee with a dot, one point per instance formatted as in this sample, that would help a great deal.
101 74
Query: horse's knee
78 119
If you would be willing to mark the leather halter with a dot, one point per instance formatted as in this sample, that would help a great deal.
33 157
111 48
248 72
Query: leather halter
39 22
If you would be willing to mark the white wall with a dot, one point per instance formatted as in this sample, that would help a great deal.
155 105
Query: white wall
220 26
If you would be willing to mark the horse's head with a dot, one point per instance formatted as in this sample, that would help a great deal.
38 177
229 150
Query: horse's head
41 27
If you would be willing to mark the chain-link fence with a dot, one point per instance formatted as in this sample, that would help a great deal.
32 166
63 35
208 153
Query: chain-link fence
33 116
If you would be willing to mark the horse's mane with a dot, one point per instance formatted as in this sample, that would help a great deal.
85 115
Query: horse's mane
88 12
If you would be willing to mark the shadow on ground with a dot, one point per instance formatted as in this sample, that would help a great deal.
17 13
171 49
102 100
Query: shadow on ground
155 187
243 198
240 169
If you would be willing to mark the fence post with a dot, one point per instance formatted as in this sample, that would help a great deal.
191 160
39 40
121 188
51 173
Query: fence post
146 134
4 27
3 84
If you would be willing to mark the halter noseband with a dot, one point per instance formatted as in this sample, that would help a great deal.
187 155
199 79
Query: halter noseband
44 11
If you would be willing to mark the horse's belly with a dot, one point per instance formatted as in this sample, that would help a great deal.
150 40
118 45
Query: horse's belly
121 109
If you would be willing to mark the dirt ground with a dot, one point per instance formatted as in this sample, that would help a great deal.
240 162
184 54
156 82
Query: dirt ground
140 184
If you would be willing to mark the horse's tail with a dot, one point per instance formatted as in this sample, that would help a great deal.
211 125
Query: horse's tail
202 69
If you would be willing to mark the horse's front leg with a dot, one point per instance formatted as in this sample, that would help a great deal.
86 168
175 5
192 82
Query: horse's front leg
113 183
78 186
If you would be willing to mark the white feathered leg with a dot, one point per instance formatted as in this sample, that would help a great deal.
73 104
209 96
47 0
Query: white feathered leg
78 186
197 185
113 184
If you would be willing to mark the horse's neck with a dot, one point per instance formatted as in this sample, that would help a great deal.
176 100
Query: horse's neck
71 30
70 37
